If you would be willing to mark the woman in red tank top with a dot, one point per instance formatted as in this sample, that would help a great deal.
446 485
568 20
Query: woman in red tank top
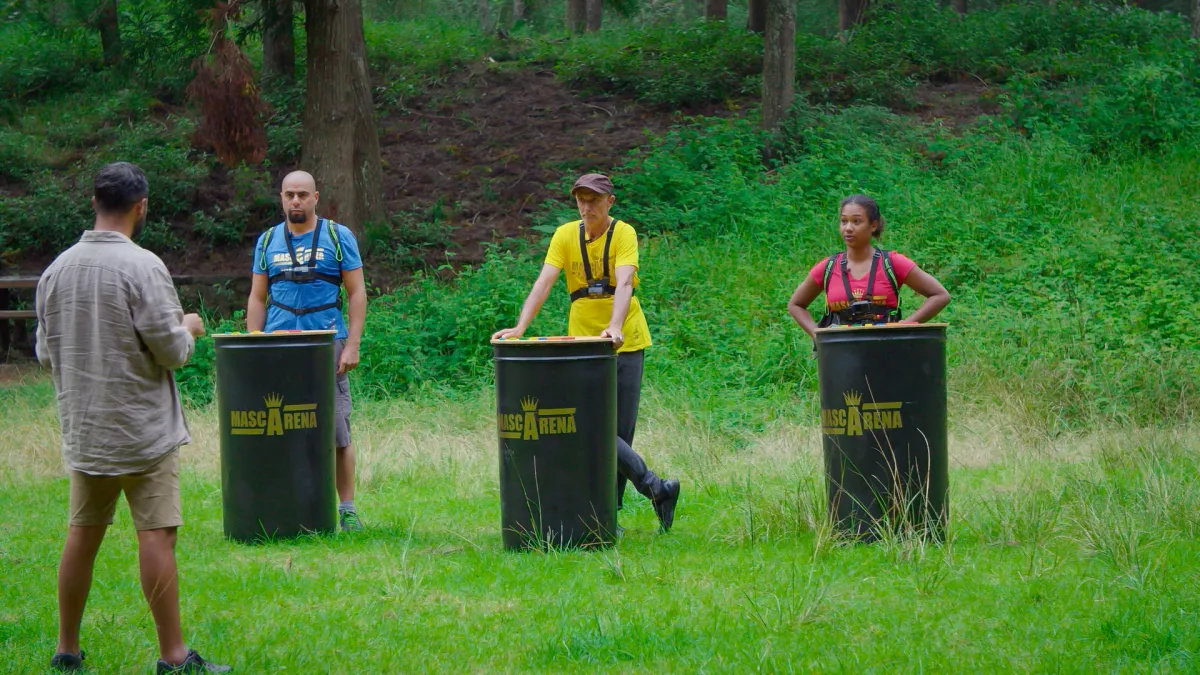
858 283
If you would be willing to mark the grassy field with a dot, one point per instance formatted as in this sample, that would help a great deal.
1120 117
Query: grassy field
1072 553
1061 218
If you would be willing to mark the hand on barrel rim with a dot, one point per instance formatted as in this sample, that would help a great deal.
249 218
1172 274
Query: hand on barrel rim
618 337
348 360
514 332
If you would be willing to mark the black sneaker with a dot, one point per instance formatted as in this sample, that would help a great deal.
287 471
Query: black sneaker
349 521
664 503
191 665
67 663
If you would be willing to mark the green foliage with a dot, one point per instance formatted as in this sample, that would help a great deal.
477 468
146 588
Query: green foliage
437 332
1144 106
404 242
1041 221
37 61
56 208
411 57
161 39
197 378
670 66
1058 41
285 128
48 217
1054 278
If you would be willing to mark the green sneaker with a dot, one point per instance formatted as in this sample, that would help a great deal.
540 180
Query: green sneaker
349 522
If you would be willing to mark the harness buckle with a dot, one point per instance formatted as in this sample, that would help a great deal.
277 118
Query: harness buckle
300 275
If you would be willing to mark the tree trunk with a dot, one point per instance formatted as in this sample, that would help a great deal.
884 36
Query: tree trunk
779 62
850 14
576 15
756 16
518 11
595 12
278 41
341 148
714 10
110 34
960 6
485 16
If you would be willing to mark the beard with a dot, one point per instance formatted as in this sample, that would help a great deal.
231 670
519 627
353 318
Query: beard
139 226
297 217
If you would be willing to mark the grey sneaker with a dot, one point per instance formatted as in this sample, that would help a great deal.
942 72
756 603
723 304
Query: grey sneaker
349 522
67 663
192 665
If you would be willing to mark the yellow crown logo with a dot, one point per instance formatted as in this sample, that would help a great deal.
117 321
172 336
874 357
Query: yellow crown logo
529 404
273 400
852 398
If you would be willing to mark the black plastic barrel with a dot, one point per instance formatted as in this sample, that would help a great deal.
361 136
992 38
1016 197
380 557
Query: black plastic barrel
883 423
556 418
275 398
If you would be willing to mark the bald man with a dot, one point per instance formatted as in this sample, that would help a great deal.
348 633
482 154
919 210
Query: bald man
297 289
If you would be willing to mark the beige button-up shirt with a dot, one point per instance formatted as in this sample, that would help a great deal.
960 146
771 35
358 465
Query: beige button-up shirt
110 328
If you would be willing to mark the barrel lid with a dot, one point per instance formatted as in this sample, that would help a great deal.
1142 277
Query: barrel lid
274 333
881 326
550 340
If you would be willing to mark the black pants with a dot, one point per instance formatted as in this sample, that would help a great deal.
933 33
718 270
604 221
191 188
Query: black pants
630 465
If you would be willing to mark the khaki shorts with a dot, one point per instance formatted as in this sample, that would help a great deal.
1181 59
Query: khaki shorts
153 496
342 403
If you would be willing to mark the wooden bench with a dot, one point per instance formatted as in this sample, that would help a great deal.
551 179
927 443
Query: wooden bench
19 317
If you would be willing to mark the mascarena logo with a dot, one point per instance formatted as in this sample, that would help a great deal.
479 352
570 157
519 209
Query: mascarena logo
275 419
857 417
533 422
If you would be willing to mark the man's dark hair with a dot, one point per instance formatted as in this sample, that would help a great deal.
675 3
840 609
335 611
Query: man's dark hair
119 186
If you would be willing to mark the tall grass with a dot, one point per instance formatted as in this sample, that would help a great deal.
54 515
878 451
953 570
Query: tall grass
1073 552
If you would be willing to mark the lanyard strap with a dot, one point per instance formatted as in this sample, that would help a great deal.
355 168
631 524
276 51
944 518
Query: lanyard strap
587 267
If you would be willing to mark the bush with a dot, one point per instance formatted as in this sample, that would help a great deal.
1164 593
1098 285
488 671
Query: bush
56 207
669 66
39 61
1056 285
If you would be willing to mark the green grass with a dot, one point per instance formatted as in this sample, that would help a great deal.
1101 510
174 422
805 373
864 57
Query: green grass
1061 228
1072 554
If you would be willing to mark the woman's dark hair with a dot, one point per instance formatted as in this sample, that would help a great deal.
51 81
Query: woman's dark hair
119 186
870 207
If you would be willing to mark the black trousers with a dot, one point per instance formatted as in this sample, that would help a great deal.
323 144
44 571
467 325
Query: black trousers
630 465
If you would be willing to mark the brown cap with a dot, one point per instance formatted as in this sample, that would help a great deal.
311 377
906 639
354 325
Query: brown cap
596 182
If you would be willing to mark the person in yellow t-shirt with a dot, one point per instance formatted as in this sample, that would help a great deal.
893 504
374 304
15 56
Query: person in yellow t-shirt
600 256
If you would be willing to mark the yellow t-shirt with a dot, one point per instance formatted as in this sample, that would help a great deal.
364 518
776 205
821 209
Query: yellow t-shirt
590 316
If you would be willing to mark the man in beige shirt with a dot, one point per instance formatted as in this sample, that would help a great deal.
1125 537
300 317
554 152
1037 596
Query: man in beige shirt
111 331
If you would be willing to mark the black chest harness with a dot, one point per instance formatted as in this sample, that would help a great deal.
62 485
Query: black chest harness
862 311
306 273
602 286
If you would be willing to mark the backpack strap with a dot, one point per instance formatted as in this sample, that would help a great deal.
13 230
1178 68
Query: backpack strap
829 263
262 261
827 318
891 276
337 242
